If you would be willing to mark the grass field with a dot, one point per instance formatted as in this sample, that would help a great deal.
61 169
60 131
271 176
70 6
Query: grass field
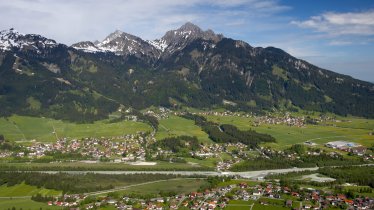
178 186
287 136
25 190
239 205
178 126
22 128
25 204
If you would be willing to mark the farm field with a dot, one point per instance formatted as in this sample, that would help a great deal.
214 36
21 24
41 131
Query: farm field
320 134
23 128
178 126
25 190
178 186
25 204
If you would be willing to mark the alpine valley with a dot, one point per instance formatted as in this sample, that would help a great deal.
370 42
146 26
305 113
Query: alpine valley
186 67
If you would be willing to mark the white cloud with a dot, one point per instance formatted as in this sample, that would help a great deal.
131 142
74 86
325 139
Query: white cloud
339 43
336 24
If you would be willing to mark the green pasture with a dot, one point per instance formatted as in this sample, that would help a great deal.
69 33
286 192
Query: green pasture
23 128
178 186
24 204
238 205
178 126
25 190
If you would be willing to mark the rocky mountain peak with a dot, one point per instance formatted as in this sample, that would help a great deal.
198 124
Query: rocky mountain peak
12 39
190 27
120 43
177 39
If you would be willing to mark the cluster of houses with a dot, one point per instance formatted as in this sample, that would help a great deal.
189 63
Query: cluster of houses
123 148
347 147
286 119
307 198
161 113
225 113
215 151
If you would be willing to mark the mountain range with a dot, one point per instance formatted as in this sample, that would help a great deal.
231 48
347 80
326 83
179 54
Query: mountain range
186 67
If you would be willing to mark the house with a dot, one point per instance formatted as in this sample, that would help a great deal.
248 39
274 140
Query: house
295 194
307 206
358 150
243 185
256 193
286 190
289 203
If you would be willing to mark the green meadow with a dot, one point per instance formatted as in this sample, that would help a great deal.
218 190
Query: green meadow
23 128
24 204
178 126
178 186
25 190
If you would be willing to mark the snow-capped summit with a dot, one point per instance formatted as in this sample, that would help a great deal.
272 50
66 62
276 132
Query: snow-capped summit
177 39
115 35
13 40
86 46
120 43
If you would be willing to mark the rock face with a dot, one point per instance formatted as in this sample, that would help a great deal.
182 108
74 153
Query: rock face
13 40
175 40
186 67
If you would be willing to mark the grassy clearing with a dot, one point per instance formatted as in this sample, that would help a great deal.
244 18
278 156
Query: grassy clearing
22 128
25 204
287 136
178 126
238 205
178 186
25 190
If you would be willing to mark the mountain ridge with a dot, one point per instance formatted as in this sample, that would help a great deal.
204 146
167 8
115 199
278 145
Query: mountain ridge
197 68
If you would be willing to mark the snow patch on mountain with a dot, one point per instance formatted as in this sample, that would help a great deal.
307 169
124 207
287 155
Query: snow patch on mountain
12 39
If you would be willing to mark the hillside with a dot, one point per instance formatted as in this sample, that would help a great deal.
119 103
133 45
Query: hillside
187 66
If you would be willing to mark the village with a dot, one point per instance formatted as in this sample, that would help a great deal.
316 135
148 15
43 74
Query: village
261 193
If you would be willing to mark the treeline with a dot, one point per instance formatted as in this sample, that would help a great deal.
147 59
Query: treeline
229 133
361 175
177 144
151 120
305 161
39 198
68 183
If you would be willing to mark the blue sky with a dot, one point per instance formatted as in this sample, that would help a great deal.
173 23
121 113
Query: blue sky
334 34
